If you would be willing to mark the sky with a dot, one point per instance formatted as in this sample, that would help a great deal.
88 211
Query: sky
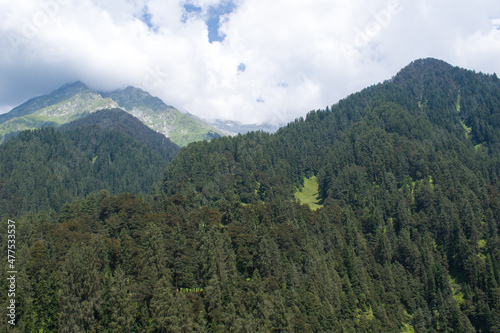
246 60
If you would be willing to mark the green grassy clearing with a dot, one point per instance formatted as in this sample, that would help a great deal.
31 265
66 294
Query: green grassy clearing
309 193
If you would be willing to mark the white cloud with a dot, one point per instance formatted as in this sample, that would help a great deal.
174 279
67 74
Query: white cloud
298 55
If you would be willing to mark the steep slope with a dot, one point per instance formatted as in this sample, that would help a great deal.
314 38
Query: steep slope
120 121
73 101
63 93
413 167
405 239
179 127
428 102
110 149
67 103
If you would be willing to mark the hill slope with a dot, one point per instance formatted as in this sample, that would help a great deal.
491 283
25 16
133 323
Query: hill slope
412 165
179 127
44 169
429 103
60 95
406 238
120 121
68 103
73 101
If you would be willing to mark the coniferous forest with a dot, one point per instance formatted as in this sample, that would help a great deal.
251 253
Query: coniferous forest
401 234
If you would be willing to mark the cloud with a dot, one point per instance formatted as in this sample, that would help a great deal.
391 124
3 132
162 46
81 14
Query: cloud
273 60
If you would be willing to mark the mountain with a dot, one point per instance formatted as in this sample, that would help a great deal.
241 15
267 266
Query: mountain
70 102
62 94
181 128
402 185
108 150
380 213
237 127
73 101
120 121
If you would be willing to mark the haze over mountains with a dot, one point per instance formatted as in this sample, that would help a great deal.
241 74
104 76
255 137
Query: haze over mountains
380 213
76 100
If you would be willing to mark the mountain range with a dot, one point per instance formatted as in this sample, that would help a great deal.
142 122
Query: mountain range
380 213
238 127
76 100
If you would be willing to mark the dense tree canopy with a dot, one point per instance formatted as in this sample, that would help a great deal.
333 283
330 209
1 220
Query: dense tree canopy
405 239
43 169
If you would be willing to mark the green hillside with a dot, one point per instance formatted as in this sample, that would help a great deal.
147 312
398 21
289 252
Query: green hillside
377 214
41 170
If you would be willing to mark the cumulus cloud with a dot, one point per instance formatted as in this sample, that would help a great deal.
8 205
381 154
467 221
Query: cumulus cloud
273 60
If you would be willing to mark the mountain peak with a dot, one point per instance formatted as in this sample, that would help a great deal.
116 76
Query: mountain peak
121 121
75 100
425 66
77 85
130 97
430 62
57 96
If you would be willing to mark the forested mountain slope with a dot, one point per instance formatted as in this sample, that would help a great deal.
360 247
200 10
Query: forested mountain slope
110 149
119 121
406 239
429 104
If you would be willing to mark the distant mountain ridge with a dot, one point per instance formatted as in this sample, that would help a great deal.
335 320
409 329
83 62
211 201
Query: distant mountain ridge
181 128
130 97
237 127
73 101
68 103
34 104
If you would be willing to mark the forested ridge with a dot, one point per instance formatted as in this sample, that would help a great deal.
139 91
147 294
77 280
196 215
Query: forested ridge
41 170
405 239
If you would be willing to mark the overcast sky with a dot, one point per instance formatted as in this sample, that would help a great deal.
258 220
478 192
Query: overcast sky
247 60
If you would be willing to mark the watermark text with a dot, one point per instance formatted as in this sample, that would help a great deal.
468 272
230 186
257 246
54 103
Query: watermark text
11 272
